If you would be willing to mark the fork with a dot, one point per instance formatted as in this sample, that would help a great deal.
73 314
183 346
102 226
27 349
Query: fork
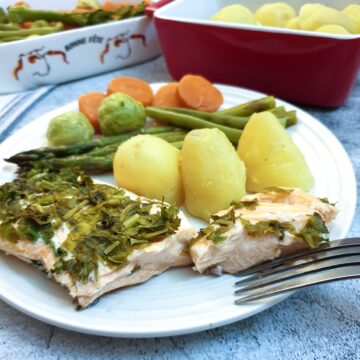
331 261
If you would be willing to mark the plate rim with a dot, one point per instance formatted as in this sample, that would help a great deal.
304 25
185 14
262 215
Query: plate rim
205 325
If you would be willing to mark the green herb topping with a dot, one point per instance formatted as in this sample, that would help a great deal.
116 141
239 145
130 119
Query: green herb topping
250 204
267 227
105 225
326 201
315 231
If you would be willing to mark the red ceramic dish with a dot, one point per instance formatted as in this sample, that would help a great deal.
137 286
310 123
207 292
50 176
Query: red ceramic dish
301 66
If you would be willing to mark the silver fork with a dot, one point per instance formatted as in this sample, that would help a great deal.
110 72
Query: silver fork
335 260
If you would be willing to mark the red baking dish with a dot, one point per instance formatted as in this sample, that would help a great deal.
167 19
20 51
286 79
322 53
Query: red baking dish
301 66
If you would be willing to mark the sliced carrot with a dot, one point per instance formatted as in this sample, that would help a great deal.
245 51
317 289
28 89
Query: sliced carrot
137 89
110 5
26 24
198 93
167 96
88 105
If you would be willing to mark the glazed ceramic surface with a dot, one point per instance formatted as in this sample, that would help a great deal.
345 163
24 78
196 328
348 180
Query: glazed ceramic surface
178 301
74 54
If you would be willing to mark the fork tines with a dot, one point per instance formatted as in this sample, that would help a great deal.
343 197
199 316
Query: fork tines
337 260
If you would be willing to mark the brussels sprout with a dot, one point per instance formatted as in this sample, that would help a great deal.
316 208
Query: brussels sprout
119 113
69 128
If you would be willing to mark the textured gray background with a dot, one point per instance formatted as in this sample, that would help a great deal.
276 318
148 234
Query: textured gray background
318 323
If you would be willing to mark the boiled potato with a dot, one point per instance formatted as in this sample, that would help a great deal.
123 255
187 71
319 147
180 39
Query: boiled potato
333 29
149 166
313 16
235 13
212 173
293 24
271 157
353 12
308 9
276 14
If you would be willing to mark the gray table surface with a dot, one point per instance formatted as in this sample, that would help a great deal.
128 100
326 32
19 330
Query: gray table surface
317 323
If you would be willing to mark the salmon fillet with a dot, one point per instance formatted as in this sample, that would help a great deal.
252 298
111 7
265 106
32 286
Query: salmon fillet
144 261
261 227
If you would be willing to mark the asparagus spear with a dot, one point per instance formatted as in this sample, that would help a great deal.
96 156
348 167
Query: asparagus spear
90 164
191 122
96 162
63 151
251 107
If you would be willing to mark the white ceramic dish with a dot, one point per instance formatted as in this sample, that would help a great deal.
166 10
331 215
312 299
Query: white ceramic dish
73 54
178 301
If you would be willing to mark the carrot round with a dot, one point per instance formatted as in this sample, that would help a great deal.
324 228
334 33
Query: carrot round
137 89
198 93
110 5
88 105
167 96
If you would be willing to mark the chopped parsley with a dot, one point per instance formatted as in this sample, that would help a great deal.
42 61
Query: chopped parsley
105 224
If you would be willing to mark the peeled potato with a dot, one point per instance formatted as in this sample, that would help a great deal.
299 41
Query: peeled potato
277 14
271 157
235 13
308 9
333 29
353 12
293 24
313 16
149 166
212 173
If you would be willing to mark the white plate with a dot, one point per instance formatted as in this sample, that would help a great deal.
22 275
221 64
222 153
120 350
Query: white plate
178 301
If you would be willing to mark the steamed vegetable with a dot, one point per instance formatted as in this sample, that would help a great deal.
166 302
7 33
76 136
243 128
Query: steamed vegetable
286 118
235 13
198 93
167 96
313 16
137 89
20 14
293 24
88 4
250 107
353 12
276 14
191 122
149 166
119 113
69 129
89 105
97 144
95 161
35 22
212 173
333 29
271 157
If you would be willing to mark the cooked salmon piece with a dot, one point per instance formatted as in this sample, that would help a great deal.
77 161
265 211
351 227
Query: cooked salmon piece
260 228
144 260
